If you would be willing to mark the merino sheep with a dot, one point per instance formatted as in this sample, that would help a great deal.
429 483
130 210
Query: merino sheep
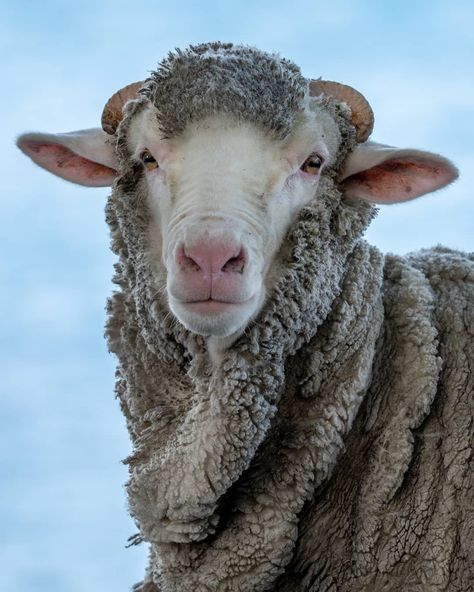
300 405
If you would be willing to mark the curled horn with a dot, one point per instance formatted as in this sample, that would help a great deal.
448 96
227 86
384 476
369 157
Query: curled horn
112 113
362 114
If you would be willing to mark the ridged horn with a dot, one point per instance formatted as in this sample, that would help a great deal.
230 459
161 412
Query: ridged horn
362 114
112 113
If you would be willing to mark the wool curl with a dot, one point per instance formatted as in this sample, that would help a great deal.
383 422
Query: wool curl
216 77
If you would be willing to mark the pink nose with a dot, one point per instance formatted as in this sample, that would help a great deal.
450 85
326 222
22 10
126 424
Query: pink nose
212 260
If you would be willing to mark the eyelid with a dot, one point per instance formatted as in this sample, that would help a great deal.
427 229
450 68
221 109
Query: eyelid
315 155
144 151
318 150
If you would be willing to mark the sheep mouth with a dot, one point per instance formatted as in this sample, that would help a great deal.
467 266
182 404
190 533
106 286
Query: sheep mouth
212 317
212 306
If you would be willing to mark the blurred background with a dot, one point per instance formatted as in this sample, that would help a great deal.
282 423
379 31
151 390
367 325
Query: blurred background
63 516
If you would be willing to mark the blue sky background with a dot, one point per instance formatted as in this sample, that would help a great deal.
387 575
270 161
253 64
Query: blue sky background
62 505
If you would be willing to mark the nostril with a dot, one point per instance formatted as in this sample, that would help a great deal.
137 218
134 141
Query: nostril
235 264
186 262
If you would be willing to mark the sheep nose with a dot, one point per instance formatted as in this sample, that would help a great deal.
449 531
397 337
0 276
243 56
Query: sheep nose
212 259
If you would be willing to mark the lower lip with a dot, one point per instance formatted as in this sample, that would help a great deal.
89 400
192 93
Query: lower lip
211 306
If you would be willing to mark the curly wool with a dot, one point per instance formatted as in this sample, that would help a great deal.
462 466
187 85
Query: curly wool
221 77
332 448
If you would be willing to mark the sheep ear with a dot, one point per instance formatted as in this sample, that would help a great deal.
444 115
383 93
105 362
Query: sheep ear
384 174
85 157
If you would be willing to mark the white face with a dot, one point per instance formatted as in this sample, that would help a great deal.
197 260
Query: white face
222 197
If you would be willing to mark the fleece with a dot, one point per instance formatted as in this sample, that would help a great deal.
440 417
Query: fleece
251 85
331 449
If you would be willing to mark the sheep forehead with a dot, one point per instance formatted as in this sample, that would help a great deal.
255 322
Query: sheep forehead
207 79
218 137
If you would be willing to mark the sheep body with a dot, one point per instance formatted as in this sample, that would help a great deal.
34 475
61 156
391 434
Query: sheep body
331 449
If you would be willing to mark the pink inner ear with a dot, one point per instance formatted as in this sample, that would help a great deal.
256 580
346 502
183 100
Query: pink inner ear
398 180
66 164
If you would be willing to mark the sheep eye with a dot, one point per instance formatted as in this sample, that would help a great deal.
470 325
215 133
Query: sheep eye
148 160
312 165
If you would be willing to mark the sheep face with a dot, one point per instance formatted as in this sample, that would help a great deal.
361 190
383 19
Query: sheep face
222 196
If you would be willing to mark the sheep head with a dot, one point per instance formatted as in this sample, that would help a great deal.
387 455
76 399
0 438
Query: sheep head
220 149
